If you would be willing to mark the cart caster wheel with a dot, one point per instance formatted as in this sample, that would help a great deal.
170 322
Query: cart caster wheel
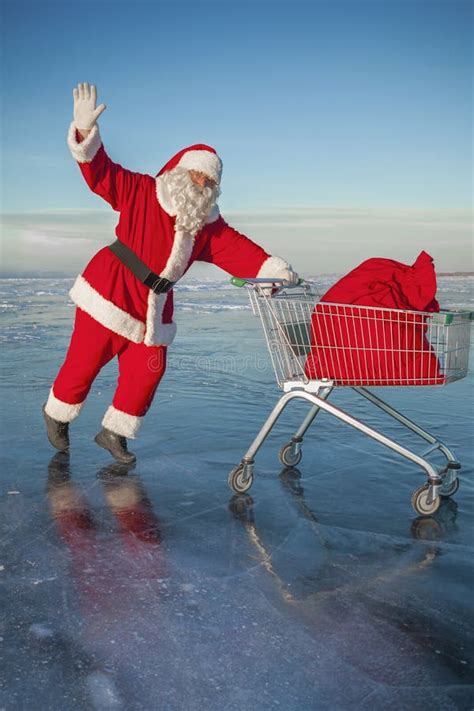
419 501
450 489
288 456
241 478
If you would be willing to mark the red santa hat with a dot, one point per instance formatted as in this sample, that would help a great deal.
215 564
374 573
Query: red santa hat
197 157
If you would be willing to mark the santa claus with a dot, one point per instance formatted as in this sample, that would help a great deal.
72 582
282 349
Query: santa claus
124 297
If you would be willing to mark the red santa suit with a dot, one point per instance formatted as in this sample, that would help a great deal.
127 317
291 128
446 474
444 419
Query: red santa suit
118 314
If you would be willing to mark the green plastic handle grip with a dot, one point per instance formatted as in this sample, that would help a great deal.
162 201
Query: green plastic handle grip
237 281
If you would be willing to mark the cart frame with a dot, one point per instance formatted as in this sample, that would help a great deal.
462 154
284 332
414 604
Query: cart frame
441 482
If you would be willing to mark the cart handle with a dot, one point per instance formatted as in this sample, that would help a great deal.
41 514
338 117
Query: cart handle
240 281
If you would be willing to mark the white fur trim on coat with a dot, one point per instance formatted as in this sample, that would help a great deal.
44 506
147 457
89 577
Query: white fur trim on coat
179 257
158 333
121 422
164 334
275 267
60 410
84 151
106 312
204 162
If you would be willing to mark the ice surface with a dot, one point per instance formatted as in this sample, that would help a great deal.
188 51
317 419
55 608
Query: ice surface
154 587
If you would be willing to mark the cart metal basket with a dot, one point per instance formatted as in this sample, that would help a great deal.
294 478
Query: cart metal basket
317 346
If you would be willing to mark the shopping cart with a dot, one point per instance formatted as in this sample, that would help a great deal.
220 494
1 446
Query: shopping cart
355 346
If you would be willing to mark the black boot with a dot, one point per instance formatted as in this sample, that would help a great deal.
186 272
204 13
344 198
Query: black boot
58 432
116 444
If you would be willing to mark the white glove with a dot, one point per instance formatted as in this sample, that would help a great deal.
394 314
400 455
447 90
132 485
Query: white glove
291 279
290 276
85 112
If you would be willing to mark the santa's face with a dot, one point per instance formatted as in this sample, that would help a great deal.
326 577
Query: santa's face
202 179
193 197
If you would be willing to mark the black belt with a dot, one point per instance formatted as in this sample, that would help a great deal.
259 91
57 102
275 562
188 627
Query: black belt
158 284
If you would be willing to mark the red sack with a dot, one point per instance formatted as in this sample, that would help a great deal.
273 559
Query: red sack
355 346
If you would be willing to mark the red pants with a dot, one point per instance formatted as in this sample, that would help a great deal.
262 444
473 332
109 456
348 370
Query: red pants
92 346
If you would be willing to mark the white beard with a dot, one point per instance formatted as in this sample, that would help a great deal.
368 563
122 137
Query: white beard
192 203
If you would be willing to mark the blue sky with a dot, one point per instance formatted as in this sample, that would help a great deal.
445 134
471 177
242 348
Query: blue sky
355 105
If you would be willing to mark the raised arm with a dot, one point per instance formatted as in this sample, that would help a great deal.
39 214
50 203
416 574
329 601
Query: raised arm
104 177
237 254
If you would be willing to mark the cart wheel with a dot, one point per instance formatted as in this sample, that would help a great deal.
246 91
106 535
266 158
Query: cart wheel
449 489
419 501
241 478
288 456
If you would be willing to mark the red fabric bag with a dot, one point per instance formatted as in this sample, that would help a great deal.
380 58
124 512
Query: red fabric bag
355 346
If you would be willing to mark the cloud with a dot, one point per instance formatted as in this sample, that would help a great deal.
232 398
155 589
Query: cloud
333 239
54 240
51 241
322 239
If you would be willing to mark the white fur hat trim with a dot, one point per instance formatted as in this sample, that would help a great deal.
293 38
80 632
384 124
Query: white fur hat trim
204 162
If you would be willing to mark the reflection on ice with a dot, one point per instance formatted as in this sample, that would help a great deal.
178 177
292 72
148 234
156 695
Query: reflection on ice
152 588
111 574
352 598
233 603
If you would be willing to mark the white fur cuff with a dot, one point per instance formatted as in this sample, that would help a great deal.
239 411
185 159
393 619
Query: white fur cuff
85 151
121 423
274 267
61 411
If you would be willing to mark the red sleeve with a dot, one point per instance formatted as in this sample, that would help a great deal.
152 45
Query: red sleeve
104 177
232 251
